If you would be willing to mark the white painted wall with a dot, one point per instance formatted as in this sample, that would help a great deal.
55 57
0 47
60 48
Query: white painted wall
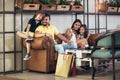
61 21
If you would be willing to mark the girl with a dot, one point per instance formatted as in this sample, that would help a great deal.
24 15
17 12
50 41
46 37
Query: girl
82 37
29 31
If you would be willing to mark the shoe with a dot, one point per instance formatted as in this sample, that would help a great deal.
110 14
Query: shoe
27 57
29 39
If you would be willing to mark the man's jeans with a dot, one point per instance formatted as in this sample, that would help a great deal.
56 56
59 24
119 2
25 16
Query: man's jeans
60 48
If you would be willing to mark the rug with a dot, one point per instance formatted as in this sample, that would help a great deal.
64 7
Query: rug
8 78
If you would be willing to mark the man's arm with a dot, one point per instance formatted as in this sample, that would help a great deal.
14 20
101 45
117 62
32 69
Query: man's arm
64 38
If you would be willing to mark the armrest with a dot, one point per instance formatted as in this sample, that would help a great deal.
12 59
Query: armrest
40 43
92 38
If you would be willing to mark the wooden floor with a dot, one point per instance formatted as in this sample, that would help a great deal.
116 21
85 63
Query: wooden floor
8 78
27 75
81 75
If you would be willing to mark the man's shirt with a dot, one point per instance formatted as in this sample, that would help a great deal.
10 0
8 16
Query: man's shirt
49 29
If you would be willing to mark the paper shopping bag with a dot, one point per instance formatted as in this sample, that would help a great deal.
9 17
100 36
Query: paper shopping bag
73 67
63 65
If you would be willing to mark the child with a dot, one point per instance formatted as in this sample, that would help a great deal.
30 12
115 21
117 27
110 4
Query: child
83 37
29 31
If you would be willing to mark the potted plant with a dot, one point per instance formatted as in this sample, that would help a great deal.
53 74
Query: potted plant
46 2
118 5
71 2
112 6
113 3
63 5
78 2
18 4
63 2
102 6
27 1
77 6
47 5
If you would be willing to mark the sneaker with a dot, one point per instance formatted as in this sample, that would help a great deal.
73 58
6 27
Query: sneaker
27 57
29 39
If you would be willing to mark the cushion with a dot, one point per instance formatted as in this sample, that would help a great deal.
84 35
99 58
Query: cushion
102 54
105 54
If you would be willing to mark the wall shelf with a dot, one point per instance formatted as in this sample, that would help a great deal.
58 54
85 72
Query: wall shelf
113 13
7 12
52 11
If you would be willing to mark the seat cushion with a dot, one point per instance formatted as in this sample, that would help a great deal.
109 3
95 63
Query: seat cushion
102 54
117 54
105 54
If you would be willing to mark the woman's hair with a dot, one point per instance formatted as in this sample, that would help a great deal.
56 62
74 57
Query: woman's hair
86 30
77 20
39 12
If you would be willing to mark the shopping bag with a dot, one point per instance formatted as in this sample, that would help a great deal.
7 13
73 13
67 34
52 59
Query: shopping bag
64 63
73 67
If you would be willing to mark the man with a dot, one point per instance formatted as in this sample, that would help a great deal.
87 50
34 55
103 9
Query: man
46 29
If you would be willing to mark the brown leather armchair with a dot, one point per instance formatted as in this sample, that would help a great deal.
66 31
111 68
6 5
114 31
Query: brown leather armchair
43 55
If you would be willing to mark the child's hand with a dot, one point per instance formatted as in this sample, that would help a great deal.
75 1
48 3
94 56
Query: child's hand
49 35
68 33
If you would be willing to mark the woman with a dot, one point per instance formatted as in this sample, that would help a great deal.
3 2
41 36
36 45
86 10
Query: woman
71 34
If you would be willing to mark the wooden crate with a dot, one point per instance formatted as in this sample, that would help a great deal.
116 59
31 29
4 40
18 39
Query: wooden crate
48 7
63 7
18 4
119 9
76 8
112 9
31 6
